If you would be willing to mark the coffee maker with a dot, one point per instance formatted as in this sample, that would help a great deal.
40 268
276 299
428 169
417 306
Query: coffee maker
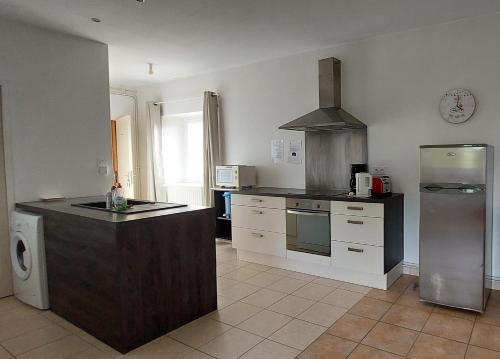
356 168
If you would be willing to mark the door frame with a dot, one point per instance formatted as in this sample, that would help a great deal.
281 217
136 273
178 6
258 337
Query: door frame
135 136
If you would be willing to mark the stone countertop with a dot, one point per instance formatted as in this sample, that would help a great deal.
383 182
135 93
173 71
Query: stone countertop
65 206
329 195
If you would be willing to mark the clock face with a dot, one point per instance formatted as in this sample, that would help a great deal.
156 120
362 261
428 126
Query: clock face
457 105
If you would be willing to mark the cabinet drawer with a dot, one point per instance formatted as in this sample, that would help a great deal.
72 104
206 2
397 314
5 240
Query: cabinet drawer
258 201
358 257
364 230
264 219
358 209
259 241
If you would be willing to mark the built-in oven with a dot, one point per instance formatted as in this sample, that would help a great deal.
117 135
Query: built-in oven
308 226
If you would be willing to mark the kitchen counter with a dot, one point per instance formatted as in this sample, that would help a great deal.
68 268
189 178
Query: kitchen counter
127 279
328 195
66 206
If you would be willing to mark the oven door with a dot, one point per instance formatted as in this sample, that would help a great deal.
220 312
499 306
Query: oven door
308 231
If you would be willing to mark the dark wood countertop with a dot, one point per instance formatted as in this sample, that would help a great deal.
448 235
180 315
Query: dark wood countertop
329 195
65 206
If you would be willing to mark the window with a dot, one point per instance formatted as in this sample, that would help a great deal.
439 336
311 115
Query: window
183 148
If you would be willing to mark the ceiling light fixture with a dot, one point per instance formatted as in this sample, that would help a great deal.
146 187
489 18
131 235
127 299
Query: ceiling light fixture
151 71
95 19
141 1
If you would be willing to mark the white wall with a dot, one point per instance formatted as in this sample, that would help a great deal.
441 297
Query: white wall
56 112
393 83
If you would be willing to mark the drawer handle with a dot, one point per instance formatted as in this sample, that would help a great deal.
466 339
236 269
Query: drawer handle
357 250
257 212
256 200
350 221
257 235
354 208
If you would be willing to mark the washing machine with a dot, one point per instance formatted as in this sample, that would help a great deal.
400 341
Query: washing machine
27 251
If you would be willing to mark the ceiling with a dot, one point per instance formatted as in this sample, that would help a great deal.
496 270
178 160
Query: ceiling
185 37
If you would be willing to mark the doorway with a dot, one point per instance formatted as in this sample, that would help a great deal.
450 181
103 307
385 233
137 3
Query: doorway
123 104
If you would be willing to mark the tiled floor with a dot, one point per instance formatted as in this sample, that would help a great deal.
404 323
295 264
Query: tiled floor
267 312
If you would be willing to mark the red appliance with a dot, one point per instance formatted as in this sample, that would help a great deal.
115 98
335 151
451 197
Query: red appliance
381 186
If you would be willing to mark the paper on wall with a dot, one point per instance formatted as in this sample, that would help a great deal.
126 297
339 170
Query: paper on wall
295 152
277 150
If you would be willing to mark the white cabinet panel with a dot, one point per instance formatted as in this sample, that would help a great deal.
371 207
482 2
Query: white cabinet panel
265 219
364 230
259 241
358 257
258 201
358 208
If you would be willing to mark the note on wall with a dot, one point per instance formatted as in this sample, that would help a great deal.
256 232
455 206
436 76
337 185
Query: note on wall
277 150
295 152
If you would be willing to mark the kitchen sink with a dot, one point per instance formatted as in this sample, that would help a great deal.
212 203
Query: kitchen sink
135 206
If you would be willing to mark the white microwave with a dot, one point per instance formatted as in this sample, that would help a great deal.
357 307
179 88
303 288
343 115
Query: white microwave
235 176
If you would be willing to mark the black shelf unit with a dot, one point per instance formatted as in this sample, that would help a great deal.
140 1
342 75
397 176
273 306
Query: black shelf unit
223 224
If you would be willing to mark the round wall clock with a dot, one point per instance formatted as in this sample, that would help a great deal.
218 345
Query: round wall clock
457 106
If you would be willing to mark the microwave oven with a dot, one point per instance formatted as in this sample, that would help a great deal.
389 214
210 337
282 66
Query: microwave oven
235 176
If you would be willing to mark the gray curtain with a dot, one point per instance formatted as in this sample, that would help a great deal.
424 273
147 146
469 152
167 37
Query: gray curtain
212 151
157 189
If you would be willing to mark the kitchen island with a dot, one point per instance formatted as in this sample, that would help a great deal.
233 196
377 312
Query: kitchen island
128 278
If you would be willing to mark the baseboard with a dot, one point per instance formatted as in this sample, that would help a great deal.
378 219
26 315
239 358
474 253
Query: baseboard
412 269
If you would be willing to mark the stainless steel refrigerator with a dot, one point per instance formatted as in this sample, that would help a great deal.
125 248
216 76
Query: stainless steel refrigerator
456 192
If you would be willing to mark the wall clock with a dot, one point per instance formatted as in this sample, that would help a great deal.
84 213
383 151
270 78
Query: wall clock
457 106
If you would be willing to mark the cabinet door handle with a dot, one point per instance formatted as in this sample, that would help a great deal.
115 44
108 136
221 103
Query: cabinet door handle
350 221
257 235
255 200
357 250
355 208
257 212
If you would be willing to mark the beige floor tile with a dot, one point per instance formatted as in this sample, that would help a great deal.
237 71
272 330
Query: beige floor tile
19 322
264 297
240 290
328 347
407 317
302 276
241 274
355 288
264 323
225 283
386 295
231 344
370 308
298 334
263 279
161 348
313 291
328 282
258 267
491 315
481 353
342 298
486 336
364 352
449 327
287 285
223 302
199 332
352 327
279 271
322 314
235 313
195 354
35 338
91 353
391 338
225 268
269 349
62 348
291 305
413 301
4 354
431 347
454 312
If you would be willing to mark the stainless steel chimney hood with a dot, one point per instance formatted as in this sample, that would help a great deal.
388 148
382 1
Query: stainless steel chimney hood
330 116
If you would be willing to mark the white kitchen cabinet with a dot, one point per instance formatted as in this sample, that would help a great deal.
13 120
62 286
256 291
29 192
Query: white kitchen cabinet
258 201
259 241
364 209
357 229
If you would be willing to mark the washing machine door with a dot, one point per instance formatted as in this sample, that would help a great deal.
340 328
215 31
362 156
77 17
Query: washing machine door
20 254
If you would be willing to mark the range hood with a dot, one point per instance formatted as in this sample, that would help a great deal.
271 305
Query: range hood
330 116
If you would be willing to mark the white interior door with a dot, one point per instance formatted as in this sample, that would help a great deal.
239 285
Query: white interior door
125 156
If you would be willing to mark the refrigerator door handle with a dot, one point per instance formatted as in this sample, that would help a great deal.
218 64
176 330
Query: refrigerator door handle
434 187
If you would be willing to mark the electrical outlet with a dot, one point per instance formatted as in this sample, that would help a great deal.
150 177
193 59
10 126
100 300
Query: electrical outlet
379 171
